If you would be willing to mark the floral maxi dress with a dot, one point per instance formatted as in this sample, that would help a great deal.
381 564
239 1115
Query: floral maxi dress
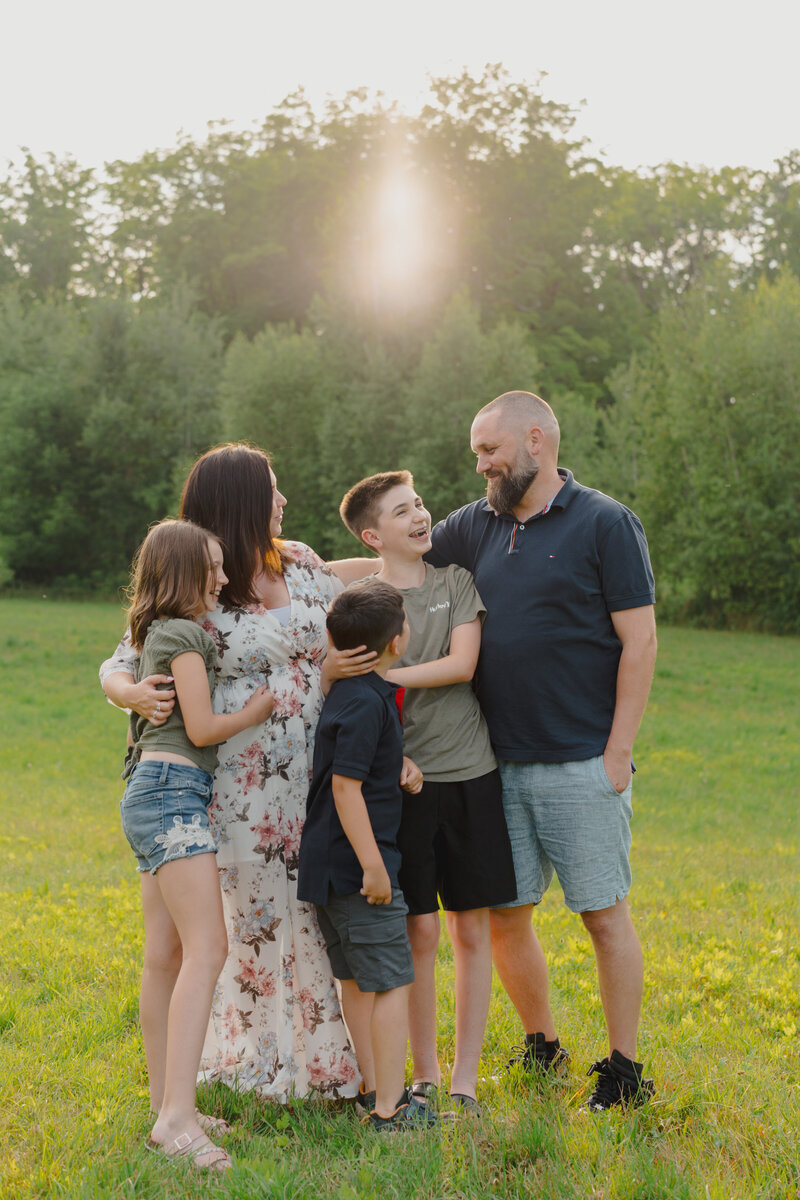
276 1025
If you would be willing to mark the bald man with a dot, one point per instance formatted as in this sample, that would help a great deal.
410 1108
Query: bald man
567 657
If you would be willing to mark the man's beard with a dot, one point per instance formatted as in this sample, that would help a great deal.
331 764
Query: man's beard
504 492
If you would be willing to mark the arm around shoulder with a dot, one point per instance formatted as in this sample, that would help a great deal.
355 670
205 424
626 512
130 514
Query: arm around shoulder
458 666
149 698
350 570
452 541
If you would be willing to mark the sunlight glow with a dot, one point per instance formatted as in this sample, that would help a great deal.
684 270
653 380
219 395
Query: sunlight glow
401 246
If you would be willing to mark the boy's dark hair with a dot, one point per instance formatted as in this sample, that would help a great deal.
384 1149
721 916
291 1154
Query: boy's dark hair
360 506
368 614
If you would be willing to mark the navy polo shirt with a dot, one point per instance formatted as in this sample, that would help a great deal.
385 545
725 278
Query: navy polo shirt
359 736
547 672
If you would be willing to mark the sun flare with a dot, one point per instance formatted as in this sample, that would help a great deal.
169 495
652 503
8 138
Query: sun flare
402 244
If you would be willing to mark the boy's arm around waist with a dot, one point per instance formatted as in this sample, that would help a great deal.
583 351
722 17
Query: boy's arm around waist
457 666
351 809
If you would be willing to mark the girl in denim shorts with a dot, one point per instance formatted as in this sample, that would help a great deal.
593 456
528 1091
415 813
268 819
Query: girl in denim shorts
177 576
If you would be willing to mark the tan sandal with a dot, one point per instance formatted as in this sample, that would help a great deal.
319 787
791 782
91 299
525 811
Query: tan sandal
206 1122
195 1149
213 1124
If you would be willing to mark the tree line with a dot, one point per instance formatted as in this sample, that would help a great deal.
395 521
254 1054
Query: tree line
239 287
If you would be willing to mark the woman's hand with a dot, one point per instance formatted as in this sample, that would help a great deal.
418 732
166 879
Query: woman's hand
149 700
343 664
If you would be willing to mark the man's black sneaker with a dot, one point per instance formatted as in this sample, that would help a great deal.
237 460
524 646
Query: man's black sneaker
539 1056
406 1118
619 1082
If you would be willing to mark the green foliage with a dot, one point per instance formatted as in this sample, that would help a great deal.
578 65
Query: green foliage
95 408
332 407
778 227
6 573
271 395
667 227
719 485
49 228
461 369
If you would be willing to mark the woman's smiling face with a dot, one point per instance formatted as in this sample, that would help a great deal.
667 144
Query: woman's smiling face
278 505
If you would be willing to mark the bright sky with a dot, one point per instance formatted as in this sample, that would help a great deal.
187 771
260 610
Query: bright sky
711 81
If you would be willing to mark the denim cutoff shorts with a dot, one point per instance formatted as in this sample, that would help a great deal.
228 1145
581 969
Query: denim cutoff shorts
568 818
165 813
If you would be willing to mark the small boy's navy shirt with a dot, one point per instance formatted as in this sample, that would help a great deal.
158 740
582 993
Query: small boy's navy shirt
359 736
547 673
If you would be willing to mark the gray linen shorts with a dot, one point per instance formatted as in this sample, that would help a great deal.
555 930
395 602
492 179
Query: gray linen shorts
568 818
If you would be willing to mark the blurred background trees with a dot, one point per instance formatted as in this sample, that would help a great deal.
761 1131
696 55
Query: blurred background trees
346 288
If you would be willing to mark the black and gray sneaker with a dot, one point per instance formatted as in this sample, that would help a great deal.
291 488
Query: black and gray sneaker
619 1082
540 1057
424 1093
463 1103
365 1101
406 1118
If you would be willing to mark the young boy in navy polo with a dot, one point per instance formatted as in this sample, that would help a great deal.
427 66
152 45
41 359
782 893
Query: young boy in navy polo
349 858
453 837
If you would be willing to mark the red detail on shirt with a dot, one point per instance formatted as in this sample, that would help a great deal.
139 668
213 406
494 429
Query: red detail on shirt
398 699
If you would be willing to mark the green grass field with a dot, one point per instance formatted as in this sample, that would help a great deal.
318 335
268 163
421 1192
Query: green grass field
715 900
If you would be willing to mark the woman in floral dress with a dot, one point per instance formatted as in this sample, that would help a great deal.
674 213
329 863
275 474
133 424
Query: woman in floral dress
276 1025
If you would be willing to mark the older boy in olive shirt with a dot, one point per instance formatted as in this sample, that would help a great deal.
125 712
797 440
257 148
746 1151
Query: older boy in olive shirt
453 837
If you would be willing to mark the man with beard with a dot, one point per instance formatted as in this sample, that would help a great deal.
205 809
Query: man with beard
566 662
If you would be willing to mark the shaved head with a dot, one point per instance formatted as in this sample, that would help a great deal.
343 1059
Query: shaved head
515 437
520 411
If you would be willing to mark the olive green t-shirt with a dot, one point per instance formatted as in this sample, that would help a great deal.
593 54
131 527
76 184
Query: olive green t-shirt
444 730
166 639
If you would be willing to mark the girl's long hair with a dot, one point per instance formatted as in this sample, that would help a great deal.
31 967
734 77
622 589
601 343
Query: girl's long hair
229 491
169 575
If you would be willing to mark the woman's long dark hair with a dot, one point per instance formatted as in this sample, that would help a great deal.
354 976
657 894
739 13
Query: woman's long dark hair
229 491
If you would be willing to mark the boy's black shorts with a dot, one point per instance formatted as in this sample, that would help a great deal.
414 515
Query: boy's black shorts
454 844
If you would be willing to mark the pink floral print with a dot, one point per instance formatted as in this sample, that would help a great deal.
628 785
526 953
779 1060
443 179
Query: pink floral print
276 1025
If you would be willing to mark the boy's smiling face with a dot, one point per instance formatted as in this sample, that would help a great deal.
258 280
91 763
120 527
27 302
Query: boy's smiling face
403 527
